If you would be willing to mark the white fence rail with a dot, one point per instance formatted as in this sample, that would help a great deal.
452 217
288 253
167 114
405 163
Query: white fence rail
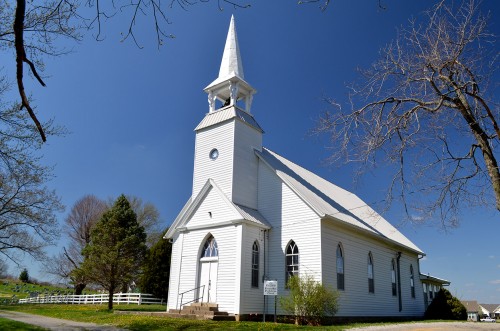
119 298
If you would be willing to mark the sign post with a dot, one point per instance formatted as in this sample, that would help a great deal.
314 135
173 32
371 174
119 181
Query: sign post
271 288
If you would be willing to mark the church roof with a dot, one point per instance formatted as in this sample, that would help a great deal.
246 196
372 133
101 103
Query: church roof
231 58
225 114
332 202
429 278
252 215
244 214
231 67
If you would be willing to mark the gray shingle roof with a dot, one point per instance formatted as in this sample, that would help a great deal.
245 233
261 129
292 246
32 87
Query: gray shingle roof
471 306
491 307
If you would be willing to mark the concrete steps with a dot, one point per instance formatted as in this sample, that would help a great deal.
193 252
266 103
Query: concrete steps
201 311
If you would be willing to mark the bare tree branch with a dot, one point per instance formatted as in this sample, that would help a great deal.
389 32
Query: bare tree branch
425 109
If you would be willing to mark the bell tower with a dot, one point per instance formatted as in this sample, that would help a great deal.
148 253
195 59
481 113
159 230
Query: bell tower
228 135
230 87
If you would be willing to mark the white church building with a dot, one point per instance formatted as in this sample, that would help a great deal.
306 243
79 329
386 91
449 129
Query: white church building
254 216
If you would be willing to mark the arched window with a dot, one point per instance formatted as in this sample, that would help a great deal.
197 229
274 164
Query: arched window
210 248
255 264
412 282
393 277
371 283
340 268
292 261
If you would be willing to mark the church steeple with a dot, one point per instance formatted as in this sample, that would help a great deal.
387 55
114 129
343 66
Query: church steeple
230 87
231 64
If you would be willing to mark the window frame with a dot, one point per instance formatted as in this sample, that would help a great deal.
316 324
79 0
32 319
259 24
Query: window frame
292 255
371 280
412 282
393 279
210 246
340 268
255 265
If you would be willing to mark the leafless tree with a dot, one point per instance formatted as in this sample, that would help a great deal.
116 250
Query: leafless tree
4 268
27 207
324 4
30 29
84 214
77 227
427 107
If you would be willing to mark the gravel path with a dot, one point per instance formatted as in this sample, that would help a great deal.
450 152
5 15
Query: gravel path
55 323
436 326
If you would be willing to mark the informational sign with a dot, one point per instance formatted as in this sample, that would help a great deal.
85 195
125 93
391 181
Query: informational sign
270 287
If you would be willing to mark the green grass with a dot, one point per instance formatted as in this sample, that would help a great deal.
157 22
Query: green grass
135 322
100 315
9 325
10 288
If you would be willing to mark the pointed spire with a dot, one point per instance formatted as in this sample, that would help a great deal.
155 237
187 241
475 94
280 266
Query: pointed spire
230 87
231 59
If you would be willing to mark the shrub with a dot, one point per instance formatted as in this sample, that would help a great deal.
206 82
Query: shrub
446 307
309 301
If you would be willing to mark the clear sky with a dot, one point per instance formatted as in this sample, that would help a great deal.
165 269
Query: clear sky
131 112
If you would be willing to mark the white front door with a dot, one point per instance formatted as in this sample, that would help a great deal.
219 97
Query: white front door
209 264
208 281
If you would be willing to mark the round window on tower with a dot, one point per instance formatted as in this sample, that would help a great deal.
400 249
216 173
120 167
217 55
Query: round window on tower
214 154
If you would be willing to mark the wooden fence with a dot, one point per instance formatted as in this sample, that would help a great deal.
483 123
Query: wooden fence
119 298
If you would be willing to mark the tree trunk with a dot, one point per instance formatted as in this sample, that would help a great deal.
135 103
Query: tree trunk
110 297
79 288
483 143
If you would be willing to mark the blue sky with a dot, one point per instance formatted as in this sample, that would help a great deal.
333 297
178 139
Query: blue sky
131 112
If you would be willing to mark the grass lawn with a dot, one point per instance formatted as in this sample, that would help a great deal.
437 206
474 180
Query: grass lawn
13 287
99 314
8 325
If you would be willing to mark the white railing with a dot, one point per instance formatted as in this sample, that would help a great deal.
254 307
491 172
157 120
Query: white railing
119 298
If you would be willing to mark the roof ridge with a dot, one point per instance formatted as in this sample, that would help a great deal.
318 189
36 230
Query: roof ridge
327 198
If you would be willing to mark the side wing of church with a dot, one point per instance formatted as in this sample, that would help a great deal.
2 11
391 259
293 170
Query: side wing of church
254 216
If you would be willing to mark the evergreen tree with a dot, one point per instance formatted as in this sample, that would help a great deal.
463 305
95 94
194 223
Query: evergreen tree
156 270
116 250
24 276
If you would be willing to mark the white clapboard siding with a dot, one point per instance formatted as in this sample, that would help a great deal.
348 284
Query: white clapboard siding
227 242
291 219
411 306
235 170
251 297
246 140
175 266
218 136
192 243
228 275
355 300
214 209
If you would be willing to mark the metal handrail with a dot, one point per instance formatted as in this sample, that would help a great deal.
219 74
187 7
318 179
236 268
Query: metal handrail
195 299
